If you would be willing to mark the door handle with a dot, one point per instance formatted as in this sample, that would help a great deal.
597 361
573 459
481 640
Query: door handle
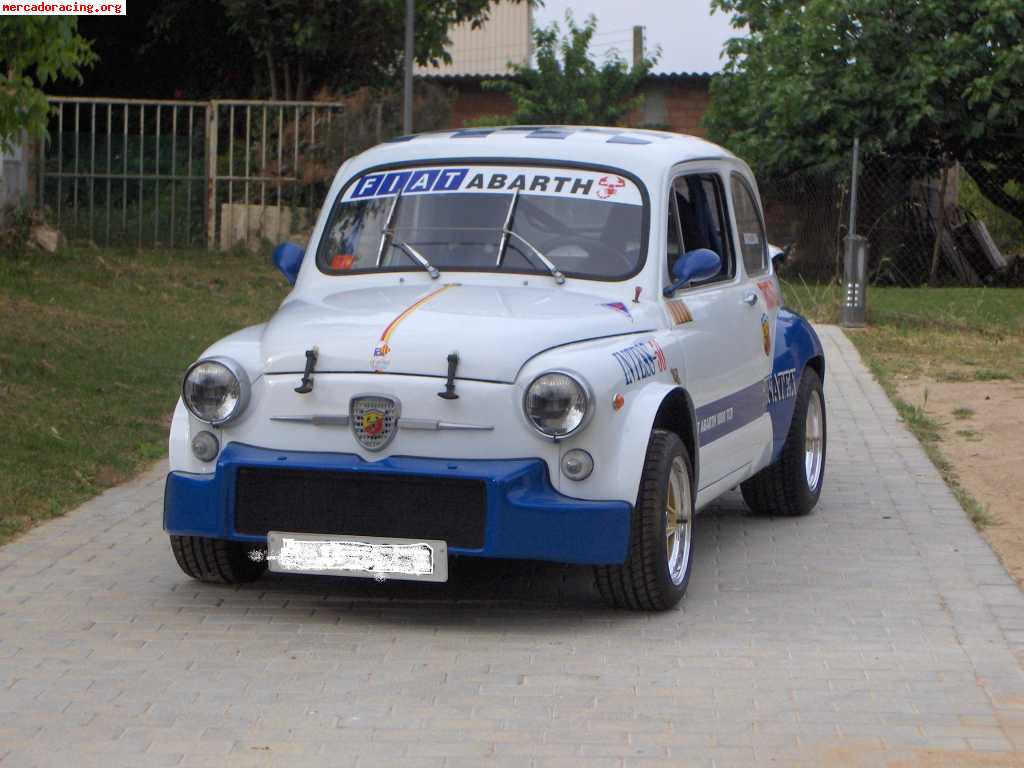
750 299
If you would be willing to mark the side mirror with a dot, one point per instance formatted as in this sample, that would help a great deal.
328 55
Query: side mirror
780 255
694 265
288 259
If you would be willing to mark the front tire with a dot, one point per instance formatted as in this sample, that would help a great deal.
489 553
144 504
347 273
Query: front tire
792 485
217 560
657 568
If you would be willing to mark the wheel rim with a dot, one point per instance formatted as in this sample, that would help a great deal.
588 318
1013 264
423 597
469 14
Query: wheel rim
814 441
678 521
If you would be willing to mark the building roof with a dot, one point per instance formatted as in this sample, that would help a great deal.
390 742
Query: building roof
655 77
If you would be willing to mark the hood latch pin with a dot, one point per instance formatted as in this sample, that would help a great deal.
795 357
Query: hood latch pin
449 386
307 376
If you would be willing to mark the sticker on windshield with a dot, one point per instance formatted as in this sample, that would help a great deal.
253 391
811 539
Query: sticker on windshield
549 182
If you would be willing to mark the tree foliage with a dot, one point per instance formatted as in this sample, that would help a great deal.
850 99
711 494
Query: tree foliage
35 51
939 79
296 47
568 86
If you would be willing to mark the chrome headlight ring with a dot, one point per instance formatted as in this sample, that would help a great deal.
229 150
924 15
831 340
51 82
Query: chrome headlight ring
237 388
585 397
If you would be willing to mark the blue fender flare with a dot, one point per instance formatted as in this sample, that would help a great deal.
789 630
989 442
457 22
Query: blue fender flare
796 346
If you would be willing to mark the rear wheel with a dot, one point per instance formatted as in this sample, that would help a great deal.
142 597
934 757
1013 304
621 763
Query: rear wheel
218 560
657 568
791 486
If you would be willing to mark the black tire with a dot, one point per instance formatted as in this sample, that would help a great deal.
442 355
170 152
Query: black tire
218 561
643 582
782 489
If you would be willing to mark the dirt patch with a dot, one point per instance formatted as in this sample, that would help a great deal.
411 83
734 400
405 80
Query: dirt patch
982 428
855 755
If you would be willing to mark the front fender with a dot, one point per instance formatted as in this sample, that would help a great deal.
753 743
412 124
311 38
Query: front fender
628 449
796 345
616 439
243 347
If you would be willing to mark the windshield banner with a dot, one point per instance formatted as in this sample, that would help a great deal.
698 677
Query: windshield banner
494 179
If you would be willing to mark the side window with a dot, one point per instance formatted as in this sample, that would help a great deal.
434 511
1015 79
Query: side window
753 242
700 201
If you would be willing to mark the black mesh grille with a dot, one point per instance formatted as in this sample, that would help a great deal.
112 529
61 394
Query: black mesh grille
357 504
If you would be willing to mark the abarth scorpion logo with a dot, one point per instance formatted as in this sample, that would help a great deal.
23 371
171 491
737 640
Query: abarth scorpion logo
374 420
609 185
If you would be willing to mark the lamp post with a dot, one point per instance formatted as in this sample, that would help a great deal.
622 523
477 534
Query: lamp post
410 20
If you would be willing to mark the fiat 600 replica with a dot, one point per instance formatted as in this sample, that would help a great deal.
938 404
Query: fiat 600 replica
550 343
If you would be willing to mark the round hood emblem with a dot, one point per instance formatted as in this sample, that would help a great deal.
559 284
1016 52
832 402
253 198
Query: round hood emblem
374 420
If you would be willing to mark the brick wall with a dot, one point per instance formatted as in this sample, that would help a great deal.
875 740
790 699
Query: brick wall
672 102
675 104
473 102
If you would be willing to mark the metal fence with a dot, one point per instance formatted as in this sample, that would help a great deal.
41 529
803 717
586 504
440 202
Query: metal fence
226 174
214 174
968 231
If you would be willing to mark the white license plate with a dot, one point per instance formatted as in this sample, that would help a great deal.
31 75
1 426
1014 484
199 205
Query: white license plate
362 556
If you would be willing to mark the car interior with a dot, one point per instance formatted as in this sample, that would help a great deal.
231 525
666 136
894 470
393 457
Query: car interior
696 220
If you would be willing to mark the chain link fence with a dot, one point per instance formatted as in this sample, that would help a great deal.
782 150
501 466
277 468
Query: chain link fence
960 226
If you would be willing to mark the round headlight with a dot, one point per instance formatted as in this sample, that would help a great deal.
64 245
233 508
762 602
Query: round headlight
215 390
556 404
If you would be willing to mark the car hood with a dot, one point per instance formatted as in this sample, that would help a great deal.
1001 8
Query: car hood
411 329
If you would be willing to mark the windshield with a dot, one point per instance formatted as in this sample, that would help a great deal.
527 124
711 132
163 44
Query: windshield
588 224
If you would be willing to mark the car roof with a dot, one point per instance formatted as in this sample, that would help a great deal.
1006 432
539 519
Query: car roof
640 150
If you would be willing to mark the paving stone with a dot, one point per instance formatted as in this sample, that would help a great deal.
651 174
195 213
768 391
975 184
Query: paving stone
879 626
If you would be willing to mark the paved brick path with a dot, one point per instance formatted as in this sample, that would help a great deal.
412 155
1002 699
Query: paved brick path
879 629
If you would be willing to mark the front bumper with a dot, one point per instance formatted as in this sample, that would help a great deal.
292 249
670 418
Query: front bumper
525 516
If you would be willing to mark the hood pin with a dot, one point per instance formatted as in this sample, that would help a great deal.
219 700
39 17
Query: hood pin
449 386
307 376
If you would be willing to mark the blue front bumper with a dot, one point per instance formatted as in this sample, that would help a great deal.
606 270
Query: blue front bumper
525 517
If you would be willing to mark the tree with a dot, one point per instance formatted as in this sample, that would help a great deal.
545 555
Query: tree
34 51
297 47
567 86
939 79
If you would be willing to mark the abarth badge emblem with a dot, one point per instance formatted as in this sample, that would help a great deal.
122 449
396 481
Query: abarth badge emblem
374 420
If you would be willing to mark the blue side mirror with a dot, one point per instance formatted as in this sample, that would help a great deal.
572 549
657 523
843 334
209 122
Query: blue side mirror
288 259
699 264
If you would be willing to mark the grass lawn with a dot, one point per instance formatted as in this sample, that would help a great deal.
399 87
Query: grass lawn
941 335
92 348
93 345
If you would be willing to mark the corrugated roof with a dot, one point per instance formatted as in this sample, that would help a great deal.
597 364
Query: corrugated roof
661 77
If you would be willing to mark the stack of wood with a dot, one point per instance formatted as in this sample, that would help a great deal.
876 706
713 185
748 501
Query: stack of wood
965 246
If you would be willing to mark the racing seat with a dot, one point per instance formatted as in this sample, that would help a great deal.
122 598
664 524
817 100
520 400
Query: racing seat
696 222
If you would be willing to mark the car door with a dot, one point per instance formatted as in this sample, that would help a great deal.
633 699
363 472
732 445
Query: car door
719 332
761 293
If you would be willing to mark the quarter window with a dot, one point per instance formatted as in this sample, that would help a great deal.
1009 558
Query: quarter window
753 241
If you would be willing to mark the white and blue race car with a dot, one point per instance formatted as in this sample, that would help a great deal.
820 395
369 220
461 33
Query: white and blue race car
553 343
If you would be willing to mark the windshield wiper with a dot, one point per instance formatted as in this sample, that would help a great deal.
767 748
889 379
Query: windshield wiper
387 238
506 233
418 257
506 229
386 233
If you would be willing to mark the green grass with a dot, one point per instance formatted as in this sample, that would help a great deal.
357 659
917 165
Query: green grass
92 348
948 334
